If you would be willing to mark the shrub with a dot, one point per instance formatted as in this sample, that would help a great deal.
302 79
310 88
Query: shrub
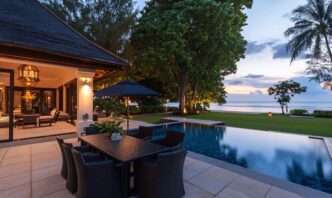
109 105
151 105
322 114
298 112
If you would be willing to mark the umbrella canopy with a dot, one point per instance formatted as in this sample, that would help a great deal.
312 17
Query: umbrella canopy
126 88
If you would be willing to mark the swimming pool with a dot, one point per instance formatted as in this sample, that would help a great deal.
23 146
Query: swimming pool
296 158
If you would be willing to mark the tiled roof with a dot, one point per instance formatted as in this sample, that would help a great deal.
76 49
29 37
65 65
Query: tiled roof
28 24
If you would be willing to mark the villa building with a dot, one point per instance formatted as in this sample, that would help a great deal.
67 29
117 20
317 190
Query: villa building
45 64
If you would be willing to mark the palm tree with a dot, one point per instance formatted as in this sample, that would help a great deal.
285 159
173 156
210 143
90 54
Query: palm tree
313 23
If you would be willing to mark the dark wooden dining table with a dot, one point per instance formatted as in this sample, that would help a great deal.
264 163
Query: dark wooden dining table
124 151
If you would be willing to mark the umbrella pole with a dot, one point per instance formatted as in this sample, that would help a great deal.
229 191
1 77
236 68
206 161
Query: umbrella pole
127 115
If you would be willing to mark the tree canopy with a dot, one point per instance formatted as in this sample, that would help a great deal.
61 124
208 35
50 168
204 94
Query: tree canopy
106 22
284 91
312 27
190 46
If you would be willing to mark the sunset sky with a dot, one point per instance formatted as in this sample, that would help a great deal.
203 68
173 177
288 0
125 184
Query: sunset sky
266 60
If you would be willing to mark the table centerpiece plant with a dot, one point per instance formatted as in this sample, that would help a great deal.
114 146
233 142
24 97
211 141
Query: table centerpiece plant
113 128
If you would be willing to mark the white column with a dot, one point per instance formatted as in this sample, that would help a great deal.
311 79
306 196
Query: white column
84 98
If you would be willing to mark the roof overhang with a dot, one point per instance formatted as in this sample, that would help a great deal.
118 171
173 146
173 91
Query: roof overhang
9 50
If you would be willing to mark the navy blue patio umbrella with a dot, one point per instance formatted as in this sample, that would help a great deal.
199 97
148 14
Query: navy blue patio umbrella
126 88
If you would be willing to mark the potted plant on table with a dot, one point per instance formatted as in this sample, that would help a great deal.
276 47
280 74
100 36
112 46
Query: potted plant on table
113 128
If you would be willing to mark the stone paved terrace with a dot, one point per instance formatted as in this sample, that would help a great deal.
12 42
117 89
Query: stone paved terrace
33 170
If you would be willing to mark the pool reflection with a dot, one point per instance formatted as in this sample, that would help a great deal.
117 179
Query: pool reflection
296 158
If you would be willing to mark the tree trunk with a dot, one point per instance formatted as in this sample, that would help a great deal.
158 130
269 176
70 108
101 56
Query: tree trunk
193 98
328 46
282 108
182 97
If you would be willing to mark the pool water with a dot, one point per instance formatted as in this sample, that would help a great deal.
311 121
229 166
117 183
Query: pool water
296 158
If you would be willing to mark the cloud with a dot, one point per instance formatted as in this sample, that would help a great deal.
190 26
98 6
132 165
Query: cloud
235 82
257 92
253 76
279 50
254 48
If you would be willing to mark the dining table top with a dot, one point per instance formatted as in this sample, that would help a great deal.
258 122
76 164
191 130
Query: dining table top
125 150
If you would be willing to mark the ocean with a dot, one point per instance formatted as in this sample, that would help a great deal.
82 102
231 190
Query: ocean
263 106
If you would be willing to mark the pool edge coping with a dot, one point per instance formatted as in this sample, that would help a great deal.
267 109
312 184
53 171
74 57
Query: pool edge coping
328 145
261 177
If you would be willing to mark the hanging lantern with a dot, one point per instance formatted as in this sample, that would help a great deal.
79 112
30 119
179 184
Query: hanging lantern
28 75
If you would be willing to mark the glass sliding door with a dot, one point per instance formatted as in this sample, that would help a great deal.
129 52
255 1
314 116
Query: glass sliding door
6 104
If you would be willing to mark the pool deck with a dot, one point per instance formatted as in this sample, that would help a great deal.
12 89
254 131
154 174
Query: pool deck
33 170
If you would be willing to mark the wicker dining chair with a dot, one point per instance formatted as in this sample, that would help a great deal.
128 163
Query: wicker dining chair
144 133
161 178
64 161
71 183
172 139
96 178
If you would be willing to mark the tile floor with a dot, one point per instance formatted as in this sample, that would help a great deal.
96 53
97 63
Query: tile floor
61 127
34 171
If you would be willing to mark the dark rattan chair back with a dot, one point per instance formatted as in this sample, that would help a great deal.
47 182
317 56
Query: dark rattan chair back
96 178
172 139
162 178
71 183
144 133
64 161
91 130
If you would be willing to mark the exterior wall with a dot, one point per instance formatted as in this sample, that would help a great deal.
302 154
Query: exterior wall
84 99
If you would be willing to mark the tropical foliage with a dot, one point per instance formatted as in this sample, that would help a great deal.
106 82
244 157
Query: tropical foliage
284 91
320 70
312 28
311 34
109 127
106 22
190 46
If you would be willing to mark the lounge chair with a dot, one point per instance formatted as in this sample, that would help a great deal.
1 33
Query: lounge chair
96 178
144 133
172 139
71 183
49 119
162 178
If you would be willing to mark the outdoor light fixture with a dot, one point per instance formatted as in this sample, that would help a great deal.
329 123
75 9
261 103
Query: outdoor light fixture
28 75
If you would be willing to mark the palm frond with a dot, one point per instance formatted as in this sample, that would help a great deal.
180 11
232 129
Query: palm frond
299 43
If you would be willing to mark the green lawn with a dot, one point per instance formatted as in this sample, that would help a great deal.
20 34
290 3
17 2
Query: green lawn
308 126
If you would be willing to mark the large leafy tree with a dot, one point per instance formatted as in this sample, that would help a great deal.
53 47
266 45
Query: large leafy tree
106 22
284 91
190 45
312 29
